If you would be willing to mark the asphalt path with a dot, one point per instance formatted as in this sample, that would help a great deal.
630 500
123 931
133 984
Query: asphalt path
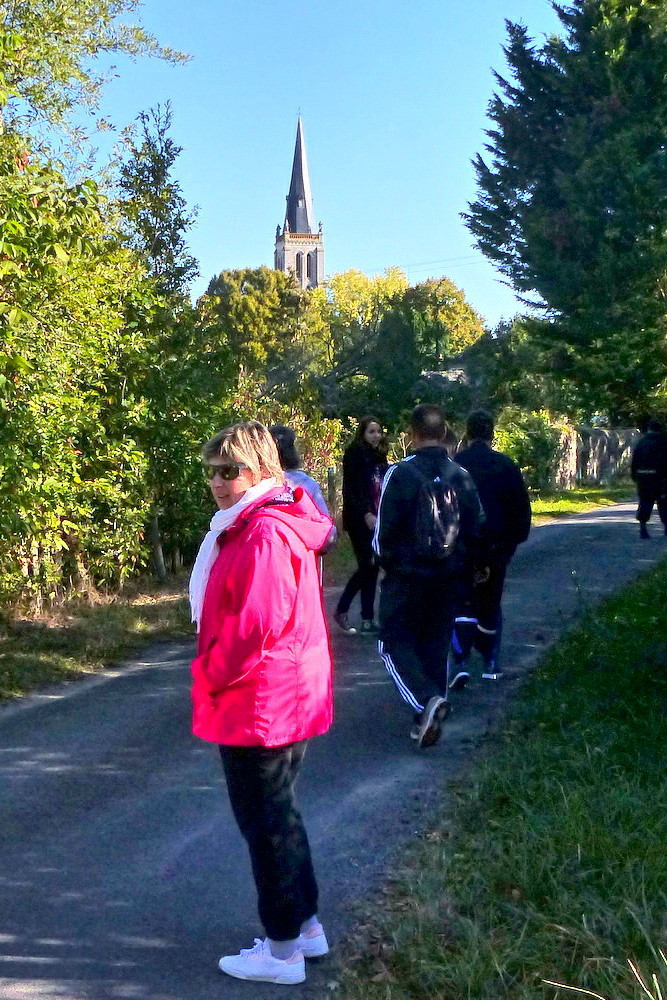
122 874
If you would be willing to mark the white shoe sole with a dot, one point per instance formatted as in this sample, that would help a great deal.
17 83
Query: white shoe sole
286 979
435 714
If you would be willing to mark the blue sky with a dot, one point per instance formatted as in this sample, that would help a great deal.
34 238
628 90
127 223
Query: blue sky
393 97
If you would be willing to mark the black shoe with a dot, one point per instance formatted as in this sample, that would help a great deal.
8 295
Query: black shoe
435 713
369 628
460 680
343 624
643 531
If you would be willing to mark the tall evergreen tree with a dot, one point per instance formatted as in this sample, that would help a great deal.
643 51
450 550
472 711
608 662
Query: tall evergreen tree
572 203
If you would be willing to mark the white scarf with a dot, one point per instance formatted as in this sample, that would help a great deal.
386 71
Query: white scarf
208 550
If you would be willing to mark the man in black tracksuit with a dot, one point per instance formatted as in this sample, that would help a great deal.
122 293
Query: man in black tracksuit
649 471
506 504
418 597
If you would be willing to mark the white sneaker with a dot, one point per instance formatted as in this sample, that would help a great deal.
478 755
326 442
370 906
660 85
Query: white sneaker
313 943
435 713
259 965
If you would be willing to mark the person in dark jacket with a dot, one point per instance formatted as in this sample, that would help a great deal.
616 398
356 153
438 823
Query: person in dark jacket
649 471
419 591
506 504
364 467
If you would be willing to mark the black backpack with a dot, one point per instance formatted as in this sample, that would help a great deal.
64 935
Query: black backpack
437 518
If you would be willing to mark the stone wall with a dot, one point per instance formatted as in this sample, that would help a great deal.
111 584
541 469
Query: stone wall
594 456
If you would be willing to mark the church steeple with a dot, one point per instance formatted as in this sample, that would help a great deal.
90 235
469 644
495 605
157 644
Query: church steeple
299 214
299 248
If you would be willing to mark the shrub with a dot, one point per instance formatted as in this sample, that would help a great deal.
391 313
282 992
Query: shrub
533 440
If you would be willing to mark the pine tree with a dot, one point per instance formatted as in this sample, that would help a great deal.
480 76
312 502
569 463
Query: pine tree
572 203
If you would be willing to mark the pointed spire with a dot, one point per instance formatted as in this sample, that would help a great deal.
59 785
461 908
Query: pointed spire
299 213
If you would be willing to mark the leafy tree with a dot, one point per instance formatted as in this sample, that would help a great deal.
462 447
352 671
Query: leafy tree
271 328
71 473
48 49
155 211
444 322
573 202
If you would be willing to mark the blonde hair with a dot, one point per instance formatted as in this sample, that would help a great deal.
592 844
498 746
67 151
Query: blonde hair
247 443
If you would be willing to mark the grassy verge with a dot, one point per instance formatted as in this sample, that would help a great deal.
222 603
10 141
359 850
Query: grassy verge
78 639
553 864
579 501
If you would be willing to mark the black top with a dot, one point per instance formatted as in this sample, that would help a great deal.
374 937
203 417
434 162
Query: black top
394 541
503 494
364 469
650 455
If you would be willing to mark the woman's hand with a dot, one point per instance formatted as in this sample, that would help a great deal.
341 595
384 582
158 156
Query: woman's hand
369 520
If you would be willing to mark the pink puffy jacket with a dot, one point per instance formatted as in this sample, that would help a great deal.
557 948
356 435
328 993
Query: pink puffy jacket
262 676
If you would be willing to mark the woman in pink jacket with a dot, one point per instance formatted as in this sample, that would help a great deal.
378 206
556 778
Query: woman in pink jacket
262 681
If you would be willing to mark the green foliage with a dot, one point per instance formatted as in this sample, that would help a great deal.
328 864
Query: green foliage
71 504
533 441
572 205
318 437
383 334
269 326
153 206
48 48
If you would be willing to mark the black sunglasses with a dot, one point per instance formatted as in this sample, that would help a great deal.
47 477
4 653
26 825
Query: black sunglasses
226 471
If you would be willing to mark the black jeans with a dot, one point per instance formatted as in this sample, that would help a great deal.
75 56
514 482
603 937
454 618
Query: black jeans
364 578
260 782
479 619
651 491
416 618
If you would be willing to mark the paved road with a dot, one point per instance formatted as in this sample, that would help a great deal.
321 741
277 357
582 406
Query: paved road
122 874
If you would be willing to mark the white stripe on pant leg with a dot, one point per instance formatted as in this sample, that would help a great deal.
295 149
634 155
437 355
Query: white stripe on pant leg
404 691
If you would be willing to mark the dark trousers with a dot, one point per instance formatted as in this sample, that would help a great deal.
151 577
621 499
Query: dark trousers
651 491
416 617
364 578
479 618
260 782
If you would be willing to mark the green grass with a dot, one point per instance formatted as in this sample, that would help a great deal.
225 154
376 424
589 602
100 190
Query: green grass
78 638
553 863
578 501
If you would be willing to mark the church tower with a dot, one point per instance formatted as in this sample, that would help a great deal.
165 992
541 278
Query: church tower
299 246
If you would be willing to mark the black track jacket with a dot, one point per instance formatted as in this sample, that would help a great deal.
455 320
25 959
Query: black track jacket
394 538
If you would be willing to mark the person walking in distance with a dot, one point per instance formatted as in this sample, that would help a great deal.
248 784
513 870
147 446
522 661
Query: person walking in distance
428 539
506 504
364 468
649 471
262 681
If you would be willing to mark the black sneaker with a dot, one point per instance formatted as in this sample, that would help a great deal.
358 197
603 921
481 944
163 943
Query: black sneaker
369 628
343 623
461 678
435 713
643 531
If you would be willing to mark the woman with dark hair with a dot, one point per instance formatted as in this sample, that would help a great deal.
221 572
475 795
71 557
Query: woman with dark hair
364 466
262 681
